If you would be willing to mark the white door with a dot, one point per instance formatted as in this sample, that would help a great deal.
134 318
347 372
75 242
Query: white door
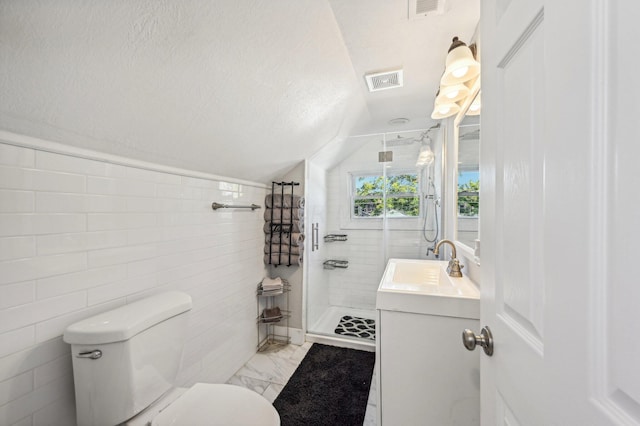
560 161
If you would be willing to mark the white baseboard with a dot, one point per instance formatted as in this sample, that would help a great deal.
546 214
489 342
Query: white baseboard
296 334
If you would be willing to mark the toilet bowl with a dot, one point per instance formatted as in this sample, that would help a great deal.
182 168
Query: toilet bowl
125 364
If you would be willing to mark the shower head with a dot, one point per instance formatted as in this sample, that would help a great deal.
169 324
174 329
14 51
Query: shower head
425 157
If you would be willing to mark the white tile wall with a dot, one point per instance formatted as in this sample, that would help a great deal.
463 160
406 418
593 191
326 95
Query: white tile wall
79 236
17 247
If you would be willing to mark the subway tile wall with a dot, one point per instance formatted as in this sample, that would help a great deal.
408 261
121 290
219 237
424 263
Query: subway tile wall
356 285
79 237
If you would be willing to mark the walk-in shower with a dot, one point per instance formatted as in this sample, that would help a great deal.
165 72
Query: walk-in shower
379 201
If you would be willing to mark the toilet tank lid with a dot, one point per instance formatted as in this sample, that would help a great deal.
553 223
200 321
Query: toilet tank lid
126 321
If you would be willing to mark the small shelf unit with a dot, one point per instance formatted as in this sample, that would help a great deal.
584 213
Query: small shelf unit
268 336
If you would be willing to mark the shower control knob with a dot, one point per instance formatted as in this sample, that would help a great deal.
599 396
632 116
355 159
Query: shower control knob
485 339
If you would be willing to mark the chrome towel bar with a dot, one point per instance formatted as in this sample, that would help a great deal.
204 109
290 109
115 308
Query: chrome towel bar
217 206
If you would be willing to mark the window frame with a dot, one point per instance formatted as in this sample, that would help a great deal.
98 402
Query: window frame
354 175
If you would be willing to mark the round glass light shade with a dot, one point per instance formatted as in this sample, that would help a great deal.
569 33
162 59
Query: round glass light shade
444 110
460 66
449 94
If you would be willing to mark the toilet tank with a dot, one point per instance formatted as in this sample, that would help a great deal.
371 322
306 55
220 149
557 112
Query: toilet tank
126 358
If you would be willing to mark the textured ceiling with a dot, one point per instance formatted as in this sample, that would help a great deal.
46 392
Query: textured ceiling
241 88
379 37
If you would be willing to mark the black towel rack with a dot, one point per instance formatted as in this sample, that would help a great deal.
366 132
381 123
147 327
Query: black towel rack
282 227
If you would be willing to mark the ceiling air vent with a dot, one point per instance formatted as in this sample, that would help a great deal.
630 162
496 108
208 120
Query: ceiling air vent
384 80
422 8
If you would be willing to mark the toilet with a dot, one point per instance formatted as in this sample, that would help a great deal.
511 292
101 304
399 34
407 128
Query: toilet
125 364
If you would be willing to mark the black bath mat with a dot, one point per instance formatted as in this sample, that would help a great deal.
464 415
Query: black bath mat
330 387
357 327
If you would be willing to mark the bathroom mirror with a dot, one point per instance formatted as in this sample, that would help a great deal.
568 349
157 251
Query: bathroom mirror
468 175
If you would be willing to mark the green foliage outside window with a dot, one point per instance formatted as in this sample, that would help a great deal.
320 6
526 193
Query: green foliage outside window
402 196
469 199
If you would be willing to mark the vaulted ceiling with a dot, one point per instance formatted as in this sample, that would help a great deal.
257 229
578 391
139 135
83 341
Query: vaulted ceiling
240 88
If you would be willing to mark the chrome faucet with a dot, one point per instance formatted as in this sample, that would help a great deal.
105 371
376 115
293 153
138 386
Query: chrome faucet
454 269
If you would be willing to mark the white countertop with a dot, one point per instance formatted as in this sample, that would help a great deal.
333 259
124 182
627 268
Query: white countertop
424 287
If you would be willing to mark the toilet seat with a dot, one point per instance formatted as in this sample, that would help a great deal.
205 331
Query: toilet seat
214 404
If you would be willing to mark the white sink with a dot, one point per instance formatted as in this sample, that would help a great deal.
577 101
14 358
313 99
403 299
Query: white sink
424 287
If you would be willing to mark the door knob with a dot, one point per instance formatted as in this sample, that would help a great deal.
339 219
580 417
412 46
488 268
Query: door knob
485 339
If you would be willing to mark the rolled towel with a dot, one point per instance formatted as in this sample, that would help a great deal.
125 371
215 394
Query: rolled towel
271 283
283 259
297 227
298 201
283 215
284 248
296 238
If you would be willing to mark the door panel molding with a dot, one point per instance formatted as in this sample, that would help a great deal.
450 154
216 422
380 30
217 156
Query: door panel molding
520 282
614 152
526 34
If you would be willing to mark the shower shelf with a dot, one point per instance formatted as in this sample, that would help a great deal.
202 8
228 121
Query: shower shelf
333 264
335 237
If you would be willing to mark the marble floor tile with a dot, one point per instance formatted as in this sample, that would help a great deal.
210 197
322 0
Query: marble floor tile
373 392
268 368
370 416
272 392
256 385
300 352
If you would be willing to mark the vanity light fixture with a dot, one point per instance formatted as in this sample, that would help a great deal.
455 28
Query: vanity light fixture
444 110
461 65
454 93
462 70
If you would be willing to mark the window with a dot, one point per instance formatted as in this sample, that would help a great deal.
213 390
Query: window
402 195
468 194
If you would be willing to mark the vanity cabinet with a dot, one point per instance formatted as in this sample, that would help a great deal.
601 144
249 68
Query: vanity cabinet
425 375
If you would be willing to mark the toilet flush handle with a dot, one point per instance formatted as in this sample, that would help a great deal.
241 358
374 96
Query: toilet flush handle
95 354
